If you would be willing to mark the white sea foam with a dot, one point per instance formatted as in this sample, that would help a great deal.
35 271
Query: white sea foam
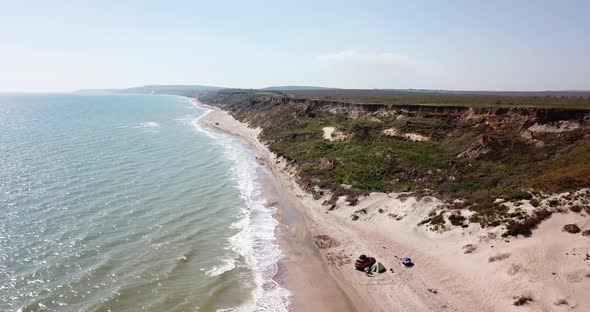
148 124
255 240
228 265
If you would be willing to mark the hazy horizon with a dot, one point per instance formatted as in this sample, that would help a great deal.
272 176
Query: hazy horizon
463 46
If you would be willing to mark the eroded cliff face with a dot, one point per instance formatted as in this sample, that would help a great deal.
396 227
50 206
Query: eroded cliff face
240 100
527 124
484 162
458 151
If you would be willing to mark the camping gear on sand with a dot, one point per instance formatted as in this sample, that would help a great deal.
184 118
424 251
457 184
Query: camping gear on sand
377 267
364 262
407 262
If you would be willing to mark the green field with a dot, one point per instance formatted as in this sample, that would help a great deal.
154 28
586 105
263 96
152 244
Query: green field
574 100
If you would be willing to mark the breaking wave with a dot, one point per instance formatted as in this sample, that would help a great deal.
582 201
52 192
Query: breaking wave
255 240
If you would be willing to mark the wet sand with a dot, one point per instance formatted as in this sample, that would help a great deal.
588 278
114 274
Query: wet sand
305 272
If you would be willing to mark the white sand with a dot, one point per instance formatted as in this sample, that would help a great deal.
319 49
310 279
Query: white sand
410 135
391 132
548 266
331 134
556 127
416 137
328 132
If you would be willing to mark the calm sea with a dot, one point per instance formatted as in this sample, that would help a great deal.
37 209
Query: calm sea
123 203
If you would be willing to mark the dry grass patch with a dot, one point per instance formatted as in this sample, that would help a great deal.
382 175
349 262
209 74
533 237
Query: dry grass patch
325 241
514 269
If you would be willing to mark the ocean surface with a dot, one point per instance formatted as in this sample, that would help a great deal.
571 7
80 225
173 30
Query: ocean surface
123 203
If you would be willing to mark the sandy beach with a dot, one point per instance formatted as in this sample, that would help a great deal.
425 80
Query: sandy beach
461 269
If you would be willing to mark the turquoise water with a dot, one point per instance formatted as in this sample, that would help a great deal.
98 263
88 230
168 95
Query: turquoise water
123 203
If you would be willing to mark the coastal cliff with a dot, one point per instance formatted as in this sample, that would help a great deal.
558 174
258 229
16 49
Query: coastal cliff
469 155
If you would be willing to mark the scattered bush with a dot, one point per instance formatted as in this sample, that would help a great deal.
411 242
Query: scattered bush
352 200
586 233
535 202
489 215
469 248
519 195
525 227
515 269
427 220
457 220
363 211
553 202
522 300
571 228
560 301
576 209
437 220
499 257
339 191
518 214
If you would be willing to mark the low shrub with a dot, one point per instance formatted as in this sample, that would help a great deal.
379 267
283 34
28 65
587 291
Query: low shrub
489 214
518 214
522 300
437 220
352 200
515 268
499 257
561 301
571 228
576 209
427 220
457 220
469 248
526 226
519 195
535 202
338 191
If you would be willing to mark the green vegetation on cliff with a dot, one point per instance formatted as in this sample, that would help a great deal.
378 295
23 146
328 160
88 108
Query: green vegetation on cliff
454 151
366 160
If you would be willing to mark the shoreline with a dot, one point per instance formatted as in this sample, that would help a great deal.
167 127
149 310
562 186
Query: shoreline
303 269
446 277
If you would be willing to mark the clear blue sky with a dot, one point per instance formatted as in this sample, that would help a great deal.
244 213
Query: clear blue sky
463 45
